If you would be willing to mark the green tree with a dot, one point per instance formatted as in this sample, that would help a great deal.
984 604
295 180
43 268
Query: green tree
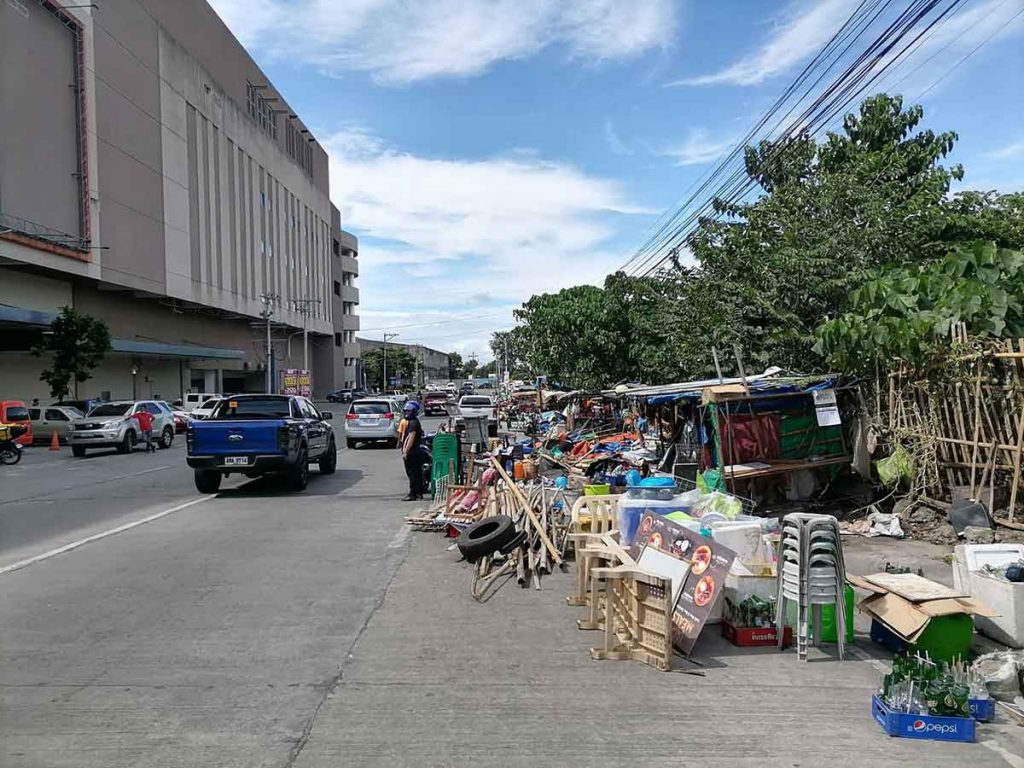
906 312
769 270
455 369
401 364
509 344
76 344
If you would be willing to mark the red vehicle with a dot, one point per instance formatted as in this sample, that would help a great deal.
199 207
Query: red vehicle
15 412
435 402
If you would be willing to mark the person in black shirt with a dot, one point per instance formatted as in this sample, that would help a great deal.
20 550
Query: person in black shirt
412 451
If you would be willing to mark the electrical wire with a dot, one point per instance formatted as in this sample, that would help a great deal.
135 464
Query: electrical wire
879 57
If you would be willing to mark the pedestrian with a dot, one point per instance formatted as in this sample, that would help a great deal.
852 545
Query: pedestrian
412 451
145 419
35 402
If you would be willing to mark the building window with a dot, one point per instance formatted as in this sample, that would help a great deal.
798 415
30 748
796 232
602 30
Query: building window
350 337
260 110
337 339
348 308
337 248
337 288
346 278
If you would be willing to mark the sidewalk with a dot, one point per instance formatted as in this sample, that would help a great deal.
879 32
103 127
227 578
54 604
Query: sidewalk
439 680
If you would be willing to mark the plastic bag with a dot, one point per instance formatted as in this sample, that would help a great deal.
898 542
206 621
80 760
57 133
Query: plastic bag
896 469
723 504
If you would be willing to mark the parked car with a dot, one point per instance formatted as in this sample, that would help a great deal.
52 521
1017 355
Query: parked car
340 396
435 402
203 411
15 412
181 418
478 406
397 395
113 425
52 419
260 434
193 400
371 420
81 405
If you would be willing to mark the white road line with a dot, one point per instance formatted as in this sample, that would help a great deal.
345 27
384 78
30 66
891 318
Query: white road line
1016 761
102 535
857 653
400 537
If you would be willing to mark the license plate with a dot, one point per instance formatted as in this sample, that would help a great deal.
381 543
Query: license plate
236 461
368 422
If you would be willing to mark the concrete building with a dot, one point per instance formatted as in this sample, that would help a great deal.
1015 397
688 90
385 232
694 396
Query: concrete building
433 364
152 176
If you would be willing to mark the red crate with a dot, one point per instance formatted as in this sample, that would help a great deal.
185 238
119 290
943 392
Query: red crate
754 636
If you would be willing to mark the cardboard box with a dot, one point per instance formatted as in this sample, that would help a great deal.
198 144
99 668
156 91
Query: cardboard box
905 603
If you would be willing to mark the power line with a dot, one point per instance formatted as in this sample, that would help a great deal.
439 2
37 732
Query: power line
881 55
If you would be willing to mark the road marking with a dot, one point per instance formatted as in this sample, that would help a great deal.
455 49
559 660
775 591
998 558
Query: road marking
400 537
79 486
1014 760
857 653
102 535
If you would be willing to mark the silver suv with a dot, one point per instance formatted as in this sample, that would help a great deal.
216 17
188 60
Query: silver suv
113 425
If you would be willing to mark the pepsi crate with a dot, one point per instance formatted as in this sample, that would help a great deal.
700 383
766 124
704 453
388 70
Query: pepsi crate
983 710
921 726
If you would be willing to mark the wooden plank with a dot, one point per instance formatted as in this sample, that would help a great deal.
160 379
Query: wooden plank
912 587
1008 523
977 426
525 505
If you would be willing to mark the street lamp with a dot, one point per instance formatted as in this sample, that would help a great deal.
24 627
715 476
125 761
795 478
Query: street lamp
386 337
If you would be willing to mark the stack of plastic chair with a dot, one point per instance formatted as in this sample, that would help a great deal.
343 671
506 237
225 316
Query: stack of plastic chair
445 463
811 573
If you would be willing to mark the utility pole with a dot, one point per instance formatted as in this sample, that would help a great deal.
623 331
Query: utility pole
304 308
268 299
386 337
506 359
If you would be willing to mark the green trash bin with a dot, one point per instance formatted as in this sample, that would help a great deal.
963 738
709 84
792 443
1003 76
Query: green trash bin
829 634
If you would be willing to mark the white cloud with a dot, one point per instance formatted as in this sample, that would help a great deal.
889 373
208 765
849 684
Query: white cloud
698 149
615 144
1010 150
456 237
402 42
798 36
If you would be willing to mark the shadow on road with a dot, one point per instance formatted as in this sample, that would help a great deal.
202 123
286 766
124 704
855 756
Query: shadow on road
274 485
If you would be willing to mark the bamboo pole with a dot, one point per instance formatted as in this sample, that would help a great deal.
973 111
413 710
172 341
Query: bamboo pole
977 425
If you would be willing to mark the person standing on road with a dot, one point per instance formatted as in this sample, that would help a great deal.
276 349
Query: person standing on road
145 419
412 450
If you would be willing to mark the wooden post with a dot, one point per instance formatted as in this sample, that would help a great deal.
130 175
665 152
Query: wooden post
977 423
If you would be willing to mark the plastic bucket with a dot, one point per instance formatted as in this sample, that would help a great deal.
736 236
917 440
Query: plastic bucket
598 489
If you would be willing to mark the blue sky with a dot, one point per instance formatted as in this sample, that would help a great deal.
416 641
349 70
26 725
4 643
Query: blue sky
486 150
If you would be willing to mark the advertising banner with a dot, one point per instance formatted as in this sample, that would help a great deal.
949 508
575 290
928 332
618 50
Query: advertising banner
697 566
296 381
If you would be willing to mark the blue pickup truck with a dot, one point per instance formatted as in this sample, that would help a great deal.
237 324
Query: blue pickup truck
255 435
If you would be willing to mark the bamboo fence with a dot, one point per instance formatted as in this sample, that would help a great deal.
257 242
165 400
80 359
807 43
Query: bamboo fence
962 421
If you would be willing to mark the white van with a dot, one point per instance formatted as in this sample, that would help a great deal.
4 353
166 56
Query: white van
193 400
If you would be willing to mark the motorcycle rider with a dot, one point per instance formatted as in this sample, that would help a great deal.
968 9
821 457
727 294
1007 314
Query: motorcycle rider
413 455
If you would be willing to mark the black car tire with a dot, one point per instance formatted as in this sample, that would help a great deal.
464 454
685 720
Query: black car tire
392 442
77 451
298 474
128 443
207 480
486 536
350 443
329 461
166 438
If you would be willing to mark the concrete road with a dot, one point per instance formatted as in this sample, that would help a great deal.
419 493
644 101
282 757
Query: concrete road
261 628
207 636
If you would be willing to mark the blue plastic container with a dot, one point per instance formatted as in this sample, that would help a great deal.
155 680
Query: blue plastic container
983 710
922 726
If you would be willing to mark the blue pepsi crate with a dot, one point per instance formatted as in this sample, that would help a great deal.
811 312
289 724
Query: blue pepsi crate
921 726
983 710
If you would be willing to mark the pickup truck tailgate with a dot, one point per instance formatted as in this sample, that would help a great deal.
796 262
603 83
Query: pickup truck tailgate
242 437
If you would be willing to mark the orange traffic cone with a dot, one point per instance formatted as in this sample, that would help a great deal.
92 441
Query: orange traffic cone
54 442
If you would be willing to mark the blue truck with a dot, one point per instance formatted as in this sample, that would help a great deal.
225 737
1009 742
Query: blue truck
255 435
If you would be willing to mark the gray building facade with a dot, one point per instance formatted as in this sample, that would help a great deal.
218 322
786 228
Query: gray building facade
432 364
152 176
